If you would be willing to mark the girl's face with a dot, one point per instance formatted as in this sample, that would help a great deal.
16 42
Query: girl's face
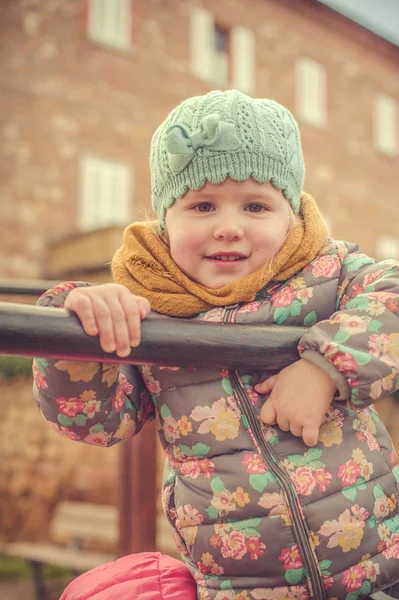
225 231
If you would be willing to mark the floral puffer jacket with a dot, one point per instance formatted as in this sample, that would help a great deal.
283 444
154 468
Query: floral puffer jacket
257 515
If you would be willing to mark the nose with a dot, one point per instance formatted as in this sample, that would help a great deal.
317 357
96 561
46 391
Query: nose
229 230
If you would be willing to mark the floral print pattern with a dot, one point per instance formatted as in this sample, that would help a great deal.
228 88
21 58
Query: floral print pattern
234 504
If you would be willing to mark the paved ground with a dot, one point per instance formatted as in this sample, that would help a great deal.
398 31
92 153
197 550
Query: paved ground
23 590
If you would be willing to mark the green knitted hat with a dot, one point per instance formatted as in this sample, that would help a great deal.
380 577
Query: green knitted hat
220 135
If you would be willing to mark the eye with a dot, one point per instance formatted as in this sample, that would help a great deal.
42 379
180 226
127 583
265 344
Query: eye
256 208
203 207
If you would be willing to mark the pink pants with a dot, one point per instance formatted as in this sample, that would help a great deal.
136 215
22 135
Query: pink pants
145 576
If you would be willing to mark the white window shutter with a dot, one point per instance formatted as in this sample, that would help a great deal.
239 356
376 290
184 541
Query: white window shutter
105 193
122 194
386 126
110 22
311 92
202 43
243 53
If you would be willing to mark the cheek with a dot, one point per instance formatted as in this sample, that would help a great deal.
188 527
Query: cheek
184 246
272 237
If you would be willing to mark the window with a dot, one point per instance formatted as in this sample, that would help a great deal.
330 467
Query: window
387 246
311 92
105 193
219 56
386 125
110 23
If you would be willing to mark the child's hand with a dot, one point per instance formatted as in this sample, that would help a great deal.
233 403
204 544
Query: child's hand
111 311
300 396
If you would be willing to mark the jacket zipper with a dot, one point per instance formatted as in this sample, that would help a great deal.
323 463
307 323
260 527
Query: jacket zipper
301 531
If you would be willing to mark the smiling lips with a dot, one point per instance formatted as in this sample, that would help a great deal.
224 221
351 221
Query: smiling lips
226 257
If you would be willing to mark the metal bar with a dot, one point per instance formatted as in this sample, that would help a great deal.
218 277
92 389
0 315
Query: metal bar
26 287
138 493
56 333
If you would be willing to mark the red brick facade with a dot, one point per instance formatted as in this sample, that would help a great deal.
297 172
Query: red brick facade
62 96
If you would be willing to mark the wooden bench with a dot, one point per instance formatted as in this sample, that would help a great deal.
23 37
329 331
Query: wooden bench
73 525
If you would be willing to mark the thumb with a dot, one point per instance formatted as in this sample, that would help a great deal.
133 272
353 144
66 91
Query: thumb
265 387
267 414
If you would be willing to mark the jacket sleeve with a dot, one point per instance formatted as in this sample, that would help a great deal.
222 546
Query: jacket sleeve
359 345
95 403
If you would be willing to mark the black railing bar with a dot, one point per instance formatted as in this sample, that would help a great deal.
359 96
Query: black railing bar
56 333
26 287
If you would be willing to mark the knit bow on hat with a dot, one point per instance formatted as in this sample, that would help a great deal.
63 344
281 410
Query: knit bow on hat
213 134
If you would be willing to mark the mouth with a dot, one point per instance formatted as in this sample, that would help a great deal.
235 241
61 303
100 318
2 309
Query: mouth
227 257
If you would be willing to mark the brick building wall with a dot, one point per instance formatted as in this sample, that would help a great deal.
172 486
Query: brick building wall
63 96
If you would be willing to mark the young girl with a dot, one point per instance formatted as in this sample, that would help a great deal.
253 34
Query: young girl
276 488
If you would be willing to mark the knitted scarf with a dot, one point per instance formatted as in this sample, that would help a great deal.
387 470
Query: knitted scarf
144 265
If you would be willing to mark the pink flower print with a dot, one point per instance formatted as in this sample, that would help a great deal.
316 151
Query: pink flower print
392 547
291 557
303 480
381 507
371 277
322 479
284 297
393 458
348 473
356 289
372 570
97 439
70 406
324 266
250 307
234 546
328 581
353 578
118 401
59 289
207 467
152 385
294 592
354 324
39 378
217 569
190 468
344 362
223 502
392 305
255 547
69 434
171 430
378 344
92 407
187 516
215 540
304 295
254 464
371 441
253 396
224 374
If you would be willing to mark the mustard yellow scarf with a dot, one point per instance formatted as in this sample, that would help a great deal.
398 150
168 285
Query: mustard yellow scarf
144 265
